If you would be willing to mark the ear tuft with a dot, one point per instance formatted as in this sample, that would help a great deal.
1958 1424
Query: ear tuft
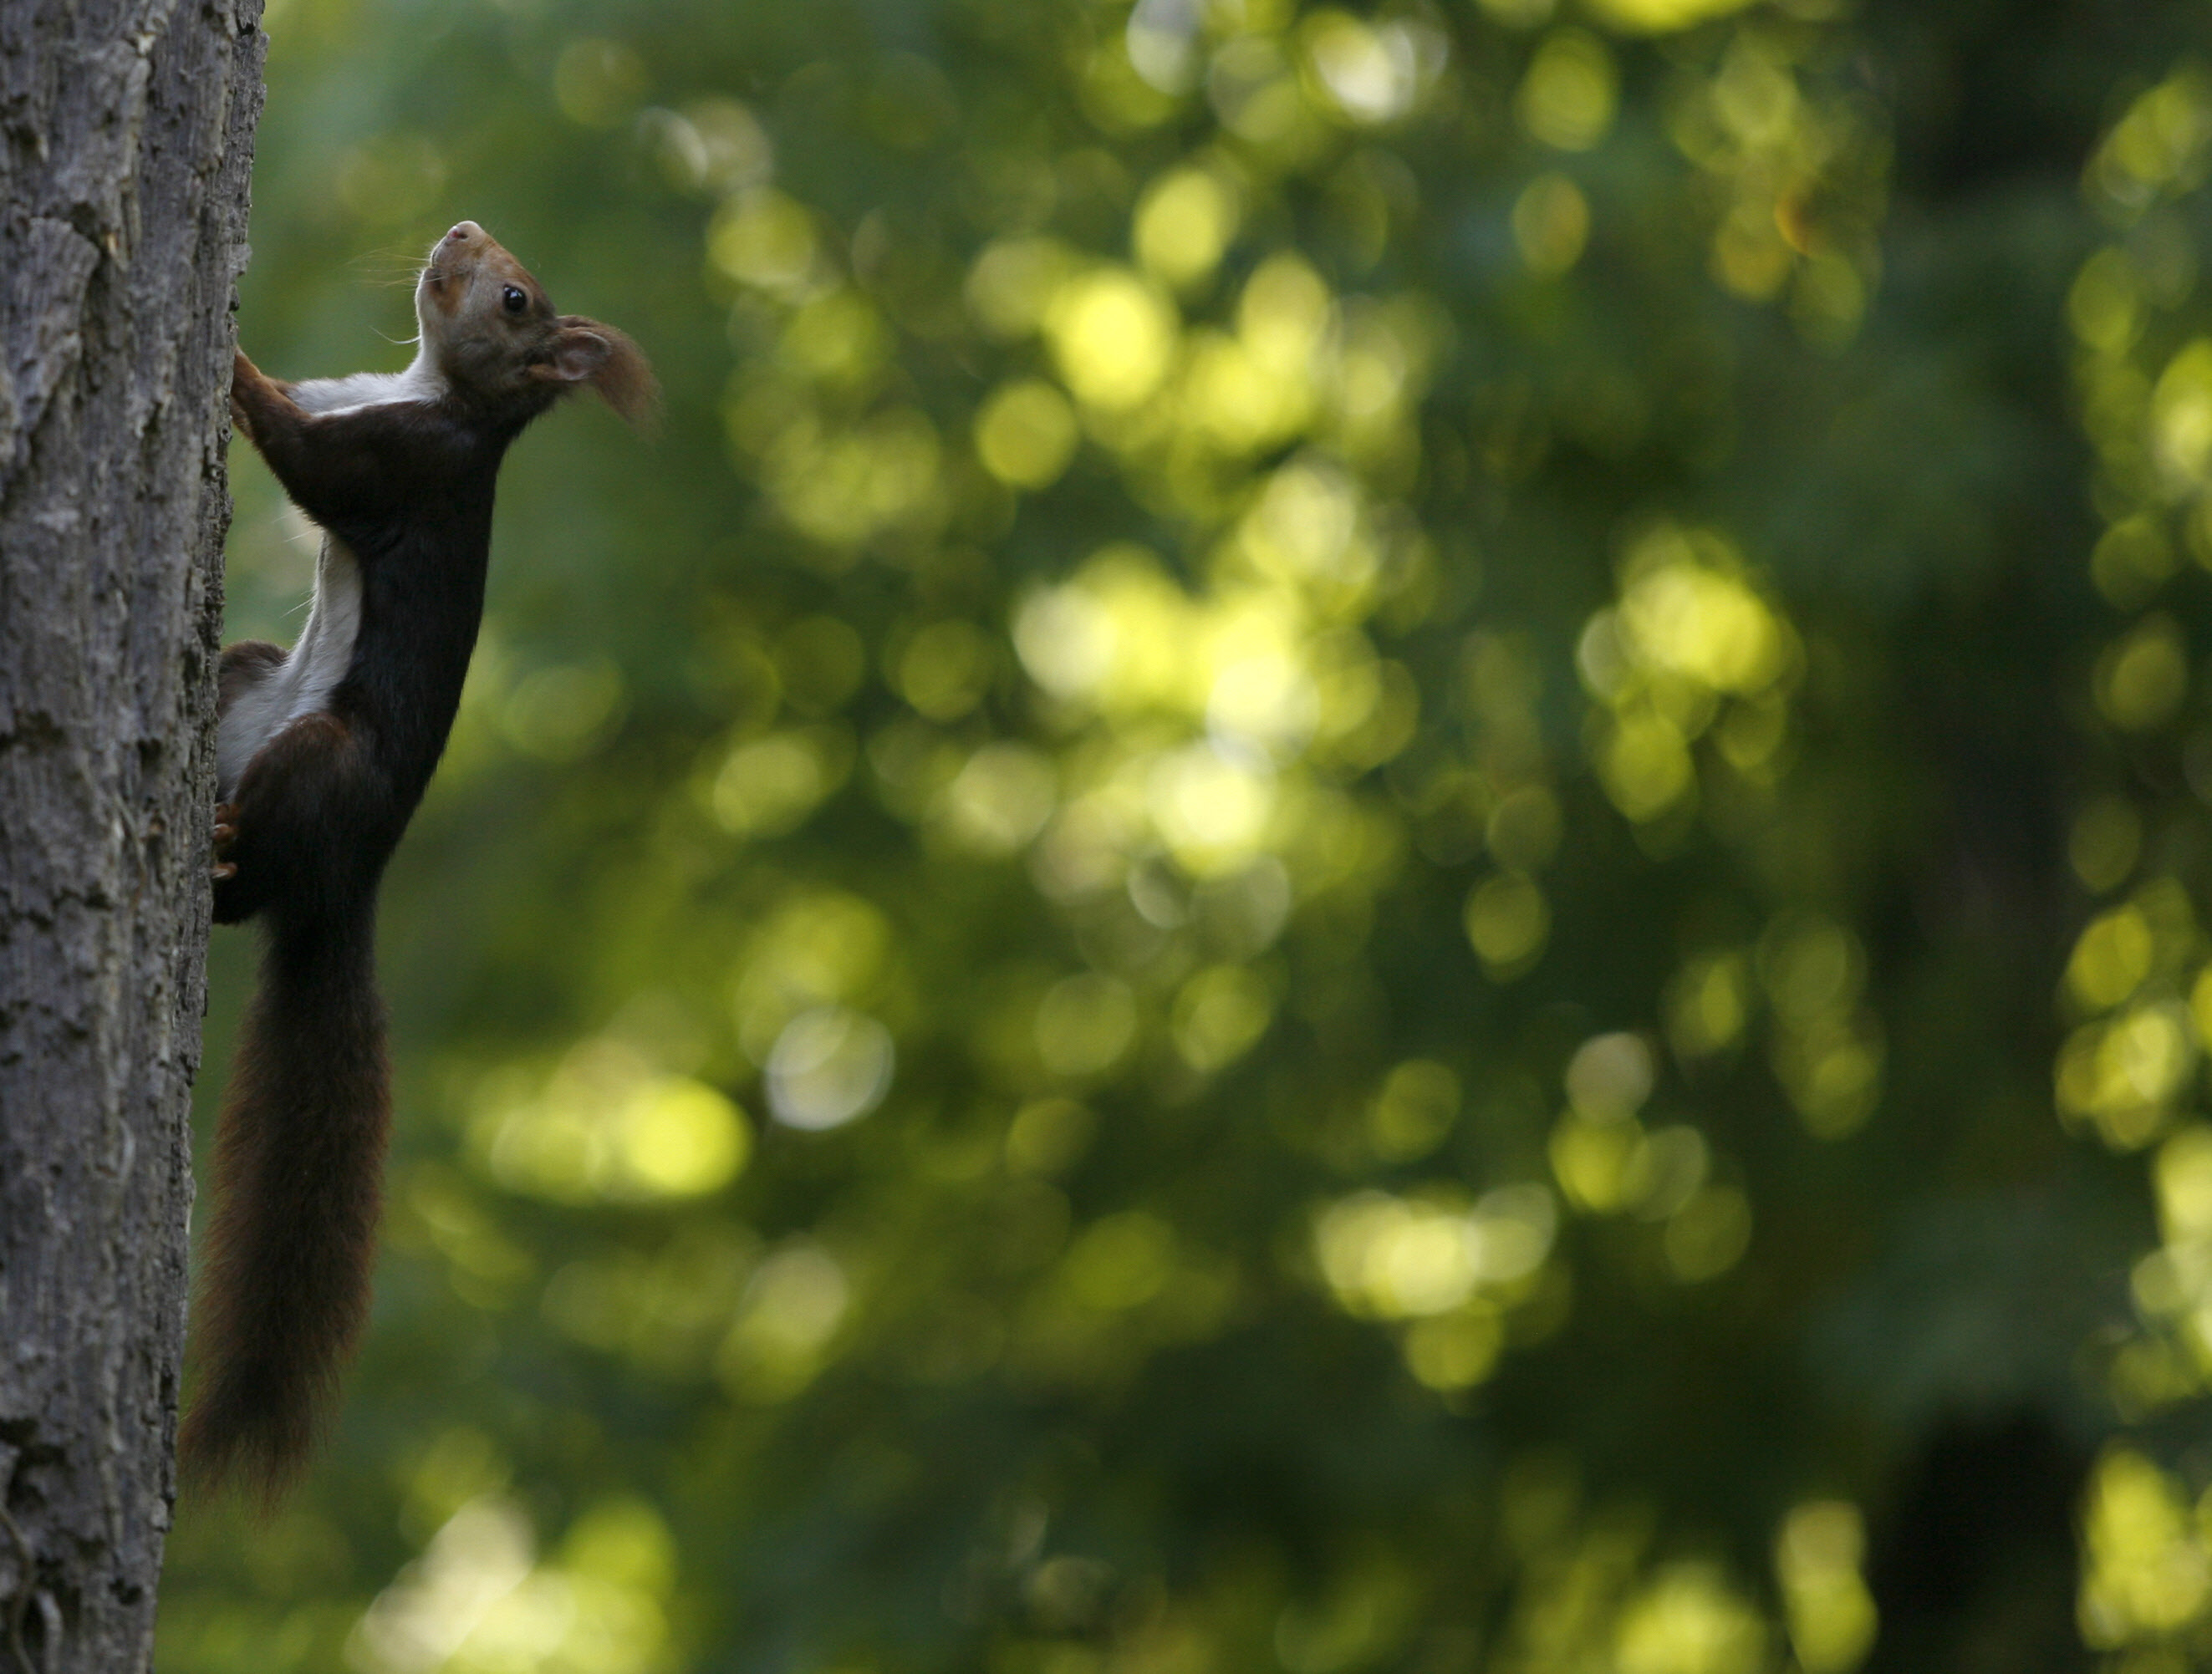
587 352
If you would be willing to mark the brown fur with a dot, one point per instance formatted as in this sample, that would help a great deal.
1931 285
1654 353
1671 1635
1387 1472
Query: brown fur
622 376
299 1159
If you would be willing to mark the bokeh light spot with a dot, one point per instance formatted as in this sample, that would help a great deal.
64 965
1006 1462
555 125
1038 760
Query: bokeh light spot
828 1066
798 1299
1183 225
1113 338
1687 1620
1507 922
1664 17
2147 1570
1084 1023
1455 1350
598 82
1025 433
681 1138
1609 1077
1414 1110
1001 797
2103 843
763 238
1817 1556
769 786
1122 1261
1550 224
2111 958
605 1126
946 667
1566 99
1371 72
1708 1234
2142 678
1013 282
1219 1014
562 713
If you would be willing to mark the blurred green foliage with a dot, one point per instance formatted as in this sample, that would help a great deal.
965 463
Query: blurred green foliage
1376 845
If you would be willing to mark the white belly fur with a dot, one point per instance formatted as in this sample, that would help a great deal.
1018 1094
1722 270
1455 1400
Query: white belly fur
301 685
421 382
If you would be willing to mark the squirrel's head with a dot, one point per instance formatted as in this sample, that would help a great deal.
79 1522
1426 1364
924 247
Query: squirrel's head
489 328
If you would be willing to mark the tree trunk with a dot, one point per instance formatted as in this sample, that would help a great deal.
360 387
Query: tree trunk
126 131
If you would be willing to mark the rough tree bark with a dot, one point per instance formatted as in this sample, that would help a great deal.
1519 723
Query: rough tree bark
126 131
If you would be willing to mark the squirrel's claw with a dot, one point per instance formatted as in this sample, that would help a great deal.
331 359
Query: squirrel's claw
226 834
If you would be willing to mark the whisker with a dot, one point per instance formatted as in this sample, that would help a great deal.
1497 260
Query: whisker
392 266
386 253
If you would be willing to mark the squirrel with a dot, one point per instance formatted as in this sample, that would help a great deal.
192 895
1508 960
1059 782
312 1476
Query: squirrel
322 754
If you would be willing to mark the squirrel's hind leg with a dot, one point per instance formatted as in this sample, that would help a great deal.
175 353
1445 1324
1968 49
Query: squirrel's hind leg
288 827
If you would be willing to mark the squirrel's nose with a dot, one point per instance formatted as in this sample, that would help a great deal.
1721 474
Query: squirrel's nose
464 230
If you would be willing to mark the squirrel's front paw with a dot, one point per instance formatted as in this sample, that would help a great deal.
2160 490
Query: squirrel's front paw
226 834
243 374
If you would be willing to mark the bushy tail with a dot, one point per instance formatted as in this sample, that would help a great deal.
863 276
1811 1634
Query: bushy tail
299 1176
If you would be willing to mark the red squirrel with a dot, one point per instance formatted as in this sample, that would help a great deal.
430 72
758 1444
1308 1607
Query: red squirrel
323 753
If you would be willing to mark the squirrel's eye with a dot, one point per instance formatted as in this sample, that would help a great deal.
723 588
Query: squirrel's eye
514 299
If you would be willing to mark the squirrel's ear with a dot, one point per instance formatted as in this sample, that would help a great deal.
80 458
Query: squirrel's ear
587 352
